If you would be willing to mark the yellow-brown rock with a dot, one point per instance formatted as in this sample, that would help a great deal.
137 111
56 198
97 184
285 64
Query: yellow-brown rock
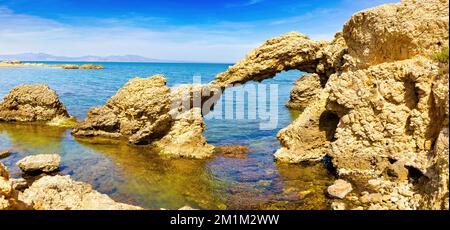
395 32
32 103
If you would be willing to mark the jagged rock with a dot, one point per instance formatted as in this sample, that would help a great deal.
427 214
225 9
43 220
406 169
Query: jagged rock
32 103
397 171
7 194
339 189
19 184
5 154
40 163
386 112
138 112
337 205
185 138
395 32
62 193
146 111
436 185
287 52
309 136
306 90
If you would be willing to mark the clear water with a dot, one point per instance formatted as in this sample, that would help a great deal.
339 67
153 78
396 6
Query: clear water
138 176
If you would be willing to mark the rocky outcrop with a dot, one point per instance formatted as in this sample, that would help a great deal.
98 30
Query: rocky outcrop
6 200
53 193
308 137
5 154
184 138
40 163
383 104
146 111
138 112
62 193
306 90
387 112
395 32
287 52
32 103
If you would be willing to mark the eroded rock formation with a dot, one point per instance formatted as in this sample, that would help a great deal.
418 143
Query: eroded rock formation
383 104
306 90
32 103
287 52
53 193
63 193
146 111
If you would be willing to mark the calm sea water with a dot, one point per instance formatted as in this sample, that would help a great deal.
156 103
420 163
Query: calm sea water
135 175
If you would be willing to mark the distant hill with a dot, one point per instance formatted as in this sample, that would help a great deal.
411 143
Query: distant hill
90 58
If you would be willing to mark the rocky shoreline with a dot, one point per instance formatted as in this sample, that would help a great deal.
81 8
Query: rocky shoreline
20 64
374 102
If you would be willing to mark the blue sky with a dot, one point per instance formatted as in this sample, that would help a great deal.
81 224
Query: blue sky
213 31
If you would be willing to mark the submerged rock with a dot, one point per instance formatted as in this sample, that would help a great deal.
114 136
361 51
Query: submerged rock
235 151
340 189
32 103
40 163
62 193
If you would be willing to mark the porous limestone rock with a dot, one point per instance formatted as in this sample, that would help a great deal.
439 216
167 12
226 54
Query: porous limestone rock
32 103
287 52
40 163
185 139
395 32
384 97
436 184
146 111
339 189
306 90
63 193
387 112
308 137
138 112
8 196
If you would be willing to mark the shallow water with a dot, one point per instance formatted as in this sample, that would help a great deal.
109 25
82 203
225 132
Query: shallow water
139 176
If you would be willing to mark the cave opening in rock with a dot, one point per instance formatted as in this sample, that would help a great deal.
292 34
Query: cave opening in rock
328 122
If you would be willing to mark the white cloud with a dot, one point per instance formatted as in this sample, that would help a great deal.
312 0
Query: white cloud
26 33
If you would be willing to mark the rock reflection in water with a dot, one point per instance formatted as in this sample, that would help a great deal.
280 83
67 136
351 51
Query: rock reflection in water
155 182
137 175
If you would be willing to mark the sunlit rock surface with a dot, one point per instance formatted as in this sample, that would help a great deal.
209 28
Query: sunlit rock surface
32 103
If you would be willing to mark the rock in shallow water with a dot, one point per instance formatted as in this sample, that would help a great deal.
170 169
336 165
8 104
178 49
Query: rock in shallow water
339 189
40 163
63 193
5 154
146 111
31 103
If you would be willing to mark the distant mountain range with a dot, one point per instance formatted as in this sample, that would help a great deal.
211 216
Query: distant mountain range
90 58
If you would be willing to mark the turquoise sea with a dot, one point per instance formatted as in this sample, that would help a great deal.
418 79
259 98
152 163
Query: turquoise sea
134 175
